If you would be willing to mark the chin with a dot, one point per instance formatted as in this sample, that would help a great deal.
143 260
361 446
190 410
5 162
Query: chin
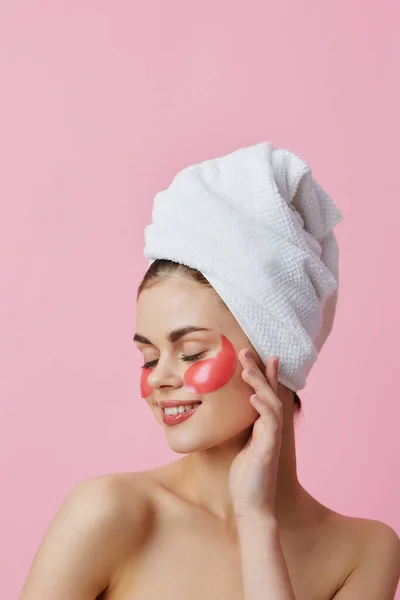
187 443
191 440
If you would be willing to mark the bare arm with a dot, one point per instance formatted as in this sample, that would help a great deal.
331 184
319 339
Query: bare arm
82 547
264 570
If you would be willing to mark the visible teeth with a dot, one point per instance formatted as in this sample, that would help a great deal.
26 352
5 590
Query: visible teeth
177 410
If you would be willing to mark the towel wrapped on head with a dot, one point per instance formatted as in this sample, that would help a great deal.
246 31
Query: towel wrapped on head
258 226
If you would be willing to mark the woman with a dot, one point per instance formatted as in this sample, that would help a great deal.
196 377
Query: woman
238 300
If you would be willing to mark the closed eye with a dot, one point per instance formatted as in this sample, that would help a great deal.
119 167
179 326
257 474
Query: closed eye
185 357
147 365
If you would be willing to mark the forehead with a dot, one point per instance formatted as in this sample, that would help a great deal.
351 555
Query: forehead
176 301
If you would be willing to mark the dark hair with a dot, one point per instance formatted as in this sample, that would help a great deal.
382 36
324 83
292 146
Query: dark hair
162 268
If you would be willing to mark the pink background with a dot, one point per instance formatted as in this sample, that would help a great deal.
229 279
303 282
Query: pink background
101 104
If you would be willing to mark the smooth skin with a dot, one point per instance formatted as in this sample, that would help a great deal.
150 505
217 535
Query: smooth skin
229 520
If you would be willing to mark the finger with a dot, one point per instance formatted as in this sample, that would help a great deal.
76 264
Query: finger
249 363
271 417
263 390
271 372
252 369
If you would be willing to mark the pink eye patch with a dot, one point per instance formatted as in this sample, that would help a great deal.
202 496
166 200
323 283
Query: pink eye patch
145 388
204 376
210 374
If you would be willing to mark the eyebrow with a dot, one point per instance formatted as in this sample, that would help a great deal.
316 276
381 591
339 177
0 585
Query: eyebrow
173 336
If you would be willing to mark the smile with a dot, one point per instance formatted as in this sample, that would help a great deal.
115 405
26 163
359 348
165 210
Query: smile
174 415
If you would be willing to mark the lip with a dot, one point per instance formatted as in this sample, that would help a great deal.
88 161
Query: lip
171 420
174 403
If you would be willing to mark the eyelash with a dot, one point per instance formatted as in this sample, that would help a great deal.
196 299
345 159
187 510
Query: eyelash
186 357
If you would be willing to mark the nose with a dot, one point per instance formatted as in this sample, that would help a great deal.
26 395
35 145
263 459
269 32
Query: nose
164 375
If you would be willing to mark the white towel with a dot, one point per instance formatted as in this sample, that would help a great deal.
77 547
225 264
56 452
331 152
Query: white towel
259 228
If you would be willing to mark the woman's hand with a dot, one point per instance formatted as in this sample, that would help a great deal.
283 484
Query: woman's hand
253 473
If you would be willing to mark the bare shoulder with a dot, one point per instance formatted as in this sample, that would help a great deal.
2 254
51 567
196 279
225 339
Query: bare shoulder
372 551
377 543
367 537
375 535
124 496
120 506
101 522
360 535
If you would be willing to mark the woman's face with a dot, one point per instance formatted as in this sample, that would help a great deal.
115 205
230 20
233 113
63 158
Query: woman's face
200 366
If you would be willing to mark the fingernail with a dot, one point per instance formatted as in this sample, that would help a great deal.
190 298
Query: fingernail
248 354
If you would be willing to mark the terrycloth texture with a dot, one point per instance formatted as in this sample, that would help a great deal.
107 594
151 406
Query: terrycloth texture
259 228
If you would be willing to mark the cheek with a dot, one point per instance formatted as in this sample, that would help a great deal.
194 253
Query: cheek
212 373
145 388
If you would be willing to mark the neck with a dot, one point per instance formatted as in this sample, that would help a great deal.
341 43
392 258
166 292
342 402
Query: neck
205 475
